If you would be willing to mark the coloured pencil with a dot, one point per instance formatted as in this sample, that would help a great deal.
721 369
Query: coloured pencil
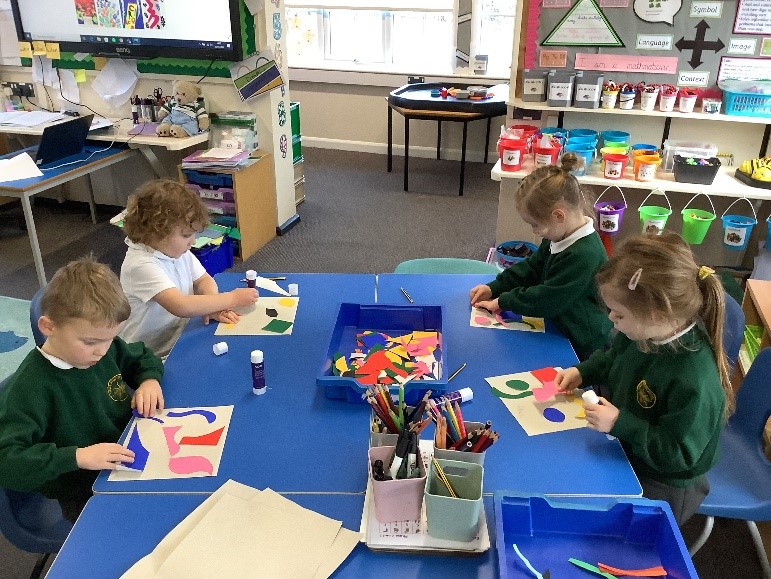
406 295
480 443
459 416
443 477
458 371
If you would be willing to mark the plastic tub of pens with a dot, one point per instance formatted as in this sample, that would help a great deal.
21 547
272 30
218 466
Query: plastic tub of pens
398 479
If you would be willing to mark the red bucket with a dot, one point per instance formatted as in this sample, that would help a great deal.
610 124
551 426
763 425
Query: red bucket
511 152
613 165
546 155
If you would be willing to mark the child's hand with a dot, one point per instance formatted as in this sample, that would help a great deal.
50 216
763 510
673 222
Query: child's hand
480 292
568 379
147 398
489 305
244 297
103 455
601 417
225 316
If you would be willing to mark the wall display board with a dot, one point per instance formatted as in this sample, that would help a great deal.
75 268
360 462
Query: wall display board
691 43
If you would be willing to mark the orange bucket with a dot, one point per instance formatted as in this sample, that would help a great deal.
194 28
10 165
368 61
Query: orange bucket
645 167
614 165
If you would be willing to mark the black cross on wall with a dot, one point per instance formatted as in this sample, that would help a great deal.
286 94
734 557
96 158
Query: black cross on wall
699 44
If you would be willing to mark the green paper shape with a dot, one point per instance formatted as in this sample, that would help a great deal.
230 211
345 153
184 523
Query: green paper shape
277 326
518 385
500 394
591 568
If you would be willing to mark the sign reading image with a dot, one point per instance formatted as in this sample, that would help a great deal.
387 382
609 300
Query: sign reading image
657 10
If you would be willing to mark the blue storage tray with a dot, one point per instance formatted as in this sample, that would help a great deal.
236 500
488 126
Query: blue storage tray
206 178
623 533
353 319
215 258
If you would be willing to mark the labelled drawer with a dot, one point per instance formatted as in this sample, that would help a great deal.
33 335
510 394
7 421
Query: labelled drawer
216 193
298 170
220 207
209 179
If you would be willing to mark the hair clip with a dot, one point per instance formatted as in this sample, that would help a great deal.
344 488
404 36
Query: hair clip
705 272
635 279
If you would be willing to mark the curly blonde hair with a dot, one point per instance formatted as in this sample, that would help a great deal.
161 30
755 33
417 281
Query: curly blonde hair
158 206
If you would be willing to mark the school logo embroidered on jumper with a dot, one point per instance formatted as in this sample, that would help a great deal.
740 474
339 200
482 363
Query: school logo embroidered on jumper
116 389
645 396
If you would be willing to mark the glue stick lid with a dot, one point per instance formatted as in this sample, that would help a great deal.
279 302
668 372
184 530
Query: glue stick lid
251 274
466 394
256 356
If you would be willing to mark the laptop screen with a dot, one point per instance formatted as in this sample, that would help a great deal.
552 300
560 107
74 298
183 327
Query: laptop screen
62 140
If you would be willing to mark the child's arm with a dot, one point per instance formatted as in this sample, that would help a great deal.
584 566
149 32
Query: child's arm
522 274
186 306
205 285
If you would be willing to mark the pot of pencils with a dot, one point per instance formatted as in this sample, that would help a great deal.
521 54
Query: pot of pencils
453 499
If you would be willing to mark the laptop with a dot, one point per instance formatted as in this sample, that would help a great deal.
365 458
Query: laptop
62 140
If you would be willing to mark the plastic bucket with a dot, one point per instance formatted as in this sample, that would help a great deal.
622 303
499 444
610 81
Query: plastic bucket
696 222
511 252
588 139
613 165
582 133
737 228
616 145
667 102
648 100
396 500
586 151
644 147
626 100
512 153
638 152
613 151
608 99
557 132
687 103
610 213
645 167
455 519
546 155
615 137
653 218
527 133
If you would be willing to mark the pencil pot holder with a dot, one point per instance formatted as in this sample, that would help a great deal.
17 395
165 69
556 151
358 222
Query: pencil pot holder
456 519
383 438
396 500
473 457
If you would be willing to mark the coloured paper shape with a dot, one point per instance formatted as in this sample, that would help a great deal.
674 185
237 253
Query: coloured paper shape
555 414
481 318
177 443
583 25
259 319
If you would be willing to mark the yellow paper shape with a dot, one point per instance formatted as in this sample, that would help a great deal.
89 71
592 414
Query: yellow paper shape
99 62
52 50
341 365
25 50
39 48
400 351
395 358
286 302
80 75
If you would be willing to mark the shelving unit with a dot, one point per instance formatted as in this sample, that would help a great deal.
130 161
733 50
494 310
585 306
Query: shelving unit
756 306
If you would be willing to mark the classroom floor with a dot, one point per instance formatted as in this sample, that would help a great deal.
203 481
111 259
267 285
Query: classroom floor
356 218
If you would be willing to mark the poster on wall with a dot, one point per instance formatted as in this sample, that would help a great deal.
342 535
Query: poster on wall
583 25
744 69
657 10
753 17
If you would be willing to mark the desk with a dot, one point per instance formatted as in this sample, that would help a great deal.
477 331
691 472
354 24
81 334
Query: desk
118 133
24 189
115 531
414 102
588 463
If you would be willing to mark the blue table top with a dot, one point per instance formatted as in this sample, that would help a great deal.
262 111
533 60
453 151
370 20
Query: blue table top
91 154
115 531
573 462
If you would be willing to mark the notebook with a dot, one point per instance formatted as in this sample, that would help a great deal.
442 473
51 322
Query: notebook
62 140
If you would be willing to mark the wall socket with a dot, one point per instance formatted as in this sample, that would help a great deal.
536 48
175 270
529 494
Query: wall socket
21 89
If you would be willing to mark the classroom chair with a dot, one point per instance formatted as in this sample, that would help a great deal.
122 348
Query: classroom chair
733 329
32 522
34 316
739 481
446 265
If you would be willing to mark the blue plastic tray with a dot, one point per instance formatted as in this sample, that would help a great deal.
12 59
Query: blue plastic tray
353 319
623 533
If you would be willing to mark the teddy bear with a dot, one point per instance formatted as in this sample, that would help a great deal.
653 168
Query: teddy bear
185 114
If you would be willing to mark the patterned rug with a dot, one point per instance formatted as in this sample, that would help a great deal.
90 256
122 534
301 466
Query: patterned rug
15 334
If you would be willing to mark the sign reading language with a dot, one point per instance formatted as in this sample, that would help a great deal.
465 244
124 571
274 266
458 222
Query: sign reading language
623 63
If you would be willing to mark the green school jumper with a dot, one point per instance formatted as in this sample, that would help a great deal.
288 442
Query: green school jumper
46 413
671 404
560 286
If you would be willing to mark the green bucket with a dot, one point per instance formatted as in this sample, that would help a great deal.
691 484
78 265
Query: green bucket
696 222
653 218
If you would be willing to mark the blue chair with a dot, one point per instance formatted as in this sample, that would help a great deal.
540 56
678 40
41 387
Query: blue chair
740 482
446 265
32 522
733 329
34 316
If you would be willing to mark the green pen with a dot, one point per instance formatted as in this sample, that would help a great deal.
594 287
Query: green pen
401 403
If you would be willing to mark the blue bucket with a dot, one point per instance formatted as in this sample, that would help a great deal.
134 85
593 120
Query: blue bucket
582 133
585 150
737 228
592 140
644 146
615 137
554 132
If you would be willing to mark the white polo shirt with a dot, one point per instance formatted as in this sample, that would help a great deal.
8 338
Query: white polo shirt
144 274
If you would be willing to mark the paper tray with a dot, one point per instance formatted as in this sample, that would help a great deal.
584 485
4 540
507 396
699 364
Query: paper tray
411 536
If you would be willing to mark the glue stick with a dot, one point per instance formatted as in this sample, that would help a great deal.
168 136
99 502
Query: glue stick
590 396
258 372
459 396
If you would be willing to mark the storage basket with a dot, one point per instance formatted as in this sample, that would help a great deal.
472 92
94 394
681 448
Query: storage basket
746 104
695 173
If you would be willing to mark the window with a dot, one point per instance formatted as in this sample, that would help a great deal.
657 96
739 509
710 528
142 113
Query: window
419 37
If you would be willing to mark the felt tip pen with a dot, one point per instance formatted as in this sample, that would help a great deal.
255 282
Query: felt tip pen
406 295
458 371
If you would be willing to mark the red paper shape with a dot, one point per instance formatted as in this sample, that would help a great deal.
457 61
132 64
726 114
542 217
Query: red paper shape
209 439
545 375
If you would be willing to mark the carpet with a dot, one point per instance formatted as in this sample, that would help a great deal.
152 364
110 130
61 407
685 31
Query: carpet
16 339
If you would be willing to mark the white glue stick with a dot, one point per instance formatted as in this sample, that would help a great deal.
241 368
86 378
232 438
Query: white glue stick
590 396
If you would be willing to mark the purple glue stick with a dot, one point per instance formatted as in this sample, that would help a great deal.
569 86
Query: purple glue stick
258 372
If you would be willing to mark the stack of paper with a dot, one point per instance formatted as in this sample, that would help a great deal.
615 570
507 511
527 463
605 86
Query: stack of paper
215 158
28 118
240 531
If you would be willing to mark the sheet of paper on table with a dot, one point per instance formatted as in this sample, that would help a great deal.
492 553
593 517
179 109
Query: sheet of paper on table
270 316
240 531
503 320
19 167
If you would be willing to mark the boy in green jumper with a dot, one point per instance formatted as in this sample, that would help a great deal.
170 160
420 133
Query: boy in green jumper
667 387
66 405
557 281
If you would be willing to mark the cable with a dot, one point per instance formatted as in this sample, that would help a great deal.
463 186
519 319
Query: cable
61 92
206 73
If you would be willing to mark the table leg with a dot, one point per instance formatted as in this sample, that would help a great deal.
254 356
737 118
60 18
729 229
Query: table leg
463 157
438 138
487 137
390 138
406 150
33 241
154 162
91 202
